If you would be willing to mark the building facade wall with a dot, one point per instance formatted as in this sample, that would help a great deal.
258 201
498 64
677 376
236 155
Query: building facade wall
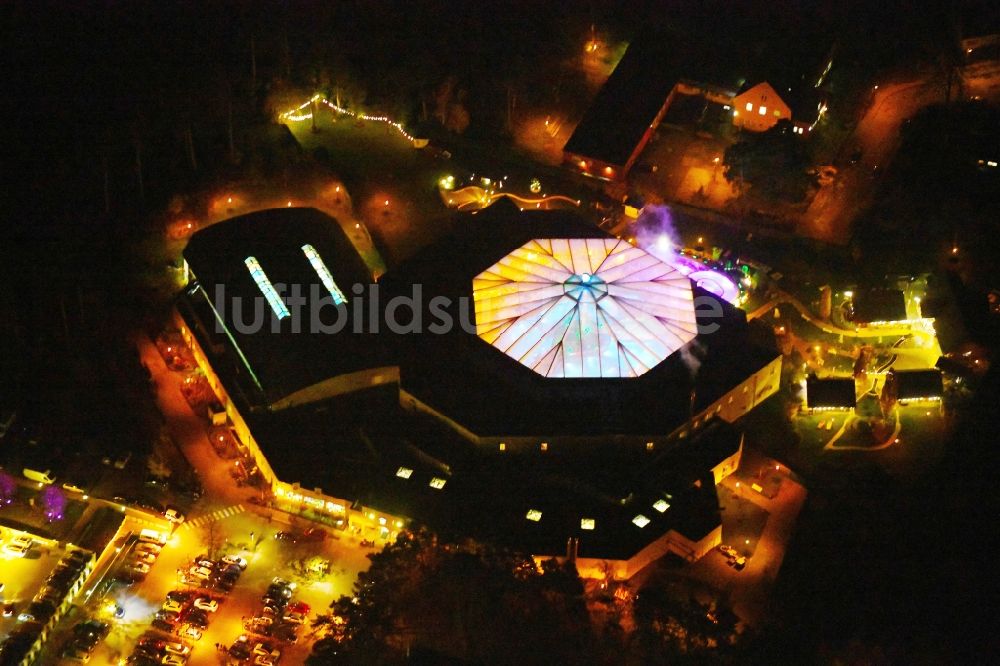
670 542
749 104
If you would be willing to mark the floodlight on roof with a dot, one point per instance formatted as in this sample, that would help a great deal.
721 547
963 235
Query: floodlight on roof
404 472
587 523
533 515
661 505
640 520
437 483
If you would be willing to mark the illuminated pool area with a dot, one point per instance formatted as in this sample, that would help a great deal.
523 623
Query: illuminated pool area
712 280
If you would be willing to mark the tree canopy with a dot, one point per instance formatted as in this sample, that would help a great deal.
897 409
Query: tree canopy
774 163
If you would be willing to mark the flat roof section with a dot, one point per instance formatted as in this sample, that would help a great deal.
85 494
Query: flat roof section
256 260
916 384
880 304
837 392
628 102
502 397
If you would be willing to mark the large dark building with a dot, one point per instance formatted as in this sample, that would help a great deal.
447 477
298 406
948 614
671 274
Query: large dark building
579 403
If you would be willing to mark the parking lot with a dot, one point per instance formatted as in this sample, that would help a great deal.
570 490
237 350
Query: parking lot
25 563
197 580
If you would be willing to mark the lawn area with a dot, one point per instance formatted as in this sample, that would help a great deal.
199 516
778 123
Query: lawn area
922 436
377 164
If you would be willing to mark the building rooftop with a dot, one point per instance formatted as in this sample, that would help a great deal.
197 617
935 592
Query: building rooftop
878 305
405 464
915 384
365 447
830 392
627 104
301 248
500 397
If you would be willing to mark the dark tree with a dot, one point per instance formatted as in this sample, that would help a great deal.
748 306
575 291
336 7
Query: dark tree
465 602
774 163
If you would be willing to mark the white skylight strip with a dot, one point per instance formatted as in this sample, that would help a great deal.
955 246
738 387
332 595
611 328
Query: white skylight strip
266 288
324 274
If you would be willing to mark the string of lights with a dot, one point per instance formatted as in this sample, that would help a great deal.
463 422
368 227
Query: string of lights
296 115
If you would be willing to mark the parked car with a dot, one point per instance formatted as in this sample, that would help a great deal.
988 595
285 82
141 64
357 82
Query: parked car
198 618
286 536
200 572
314 534
265 649
172 606
18 546
170 617
189 632
235 560
139 557
298 607
173 515
151 643
162 625
206 604
176 647
148 548
180 596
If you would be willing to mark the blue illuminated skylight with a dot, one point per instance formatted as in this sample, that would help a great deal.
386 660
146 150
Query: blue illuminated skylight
324 274
266 288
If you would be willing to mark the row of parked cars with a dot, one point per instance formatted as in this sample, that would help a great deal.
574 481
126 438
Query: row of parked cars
186 613
152 650
84 638
220 574
278 621
58 583
146 547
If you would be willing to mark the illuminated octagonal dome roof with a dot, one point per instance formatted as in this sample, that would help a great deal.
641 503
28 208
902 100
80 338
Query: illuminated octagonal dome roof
584 307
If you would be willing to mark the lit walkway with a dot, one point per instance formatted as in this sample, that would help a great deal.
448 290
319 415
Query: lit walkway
188 430
749 595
